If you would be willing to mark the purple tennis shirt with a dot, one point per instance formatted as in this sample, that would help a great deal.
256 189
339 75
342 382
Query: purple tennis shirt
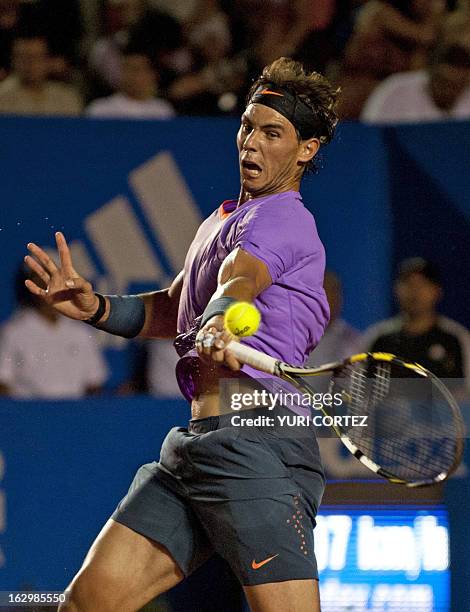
281 232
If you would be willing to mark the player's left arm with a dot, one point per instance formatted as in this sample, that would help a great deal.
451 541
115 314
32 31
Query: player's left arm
241 277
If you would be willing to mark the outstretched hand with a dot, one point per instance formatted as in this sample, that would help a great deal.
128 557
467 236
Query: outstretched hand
66 290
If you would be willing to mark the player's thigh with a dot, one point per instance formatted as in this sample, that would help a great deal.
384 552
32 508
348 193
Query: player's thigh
122 571
288 596
151 541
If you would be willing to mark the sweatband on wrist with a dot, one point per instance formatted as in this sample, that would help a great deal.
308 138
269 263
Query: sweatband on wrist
216 307
99 312
126 316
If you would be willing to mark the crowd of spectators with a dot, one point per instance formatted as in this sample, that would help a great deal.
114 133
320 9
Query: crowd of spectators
158 58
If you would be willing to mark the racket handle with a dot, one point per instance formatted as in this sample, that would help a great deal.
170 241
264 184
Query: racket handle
254 358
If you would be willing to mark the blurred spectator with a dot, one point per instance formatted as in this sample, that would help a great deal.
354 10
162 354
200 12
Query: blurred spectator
389 36
9 18
153 369
442 91
160 36
161 377
181 10
274 28
28 90
324 37
134 23
215 80
61 23
45 355
419 333
137 95
340 339
105 54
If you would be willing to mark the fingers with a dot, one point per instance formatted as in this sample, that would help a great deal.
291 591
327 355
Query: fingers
205 340
79 284
35 290
42 257
35 267
65 256
211 346
232 362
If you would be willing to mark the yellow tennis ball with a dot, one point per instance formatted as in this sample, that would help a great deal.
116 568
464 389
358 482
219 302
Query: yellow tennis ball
242 319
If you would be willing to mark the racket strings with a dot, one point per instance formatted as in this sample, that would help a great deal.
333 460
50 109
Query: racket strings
411 429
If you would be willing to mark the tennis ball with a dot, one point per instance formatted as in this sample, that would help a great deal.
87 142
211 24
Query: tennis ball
242 319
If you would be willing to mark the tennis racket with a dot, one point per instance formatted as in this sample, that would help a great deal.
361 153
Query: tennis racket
414 433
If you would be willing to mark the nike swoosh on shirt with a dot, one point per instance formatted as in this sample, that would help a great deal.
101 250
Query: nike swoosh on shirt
256 566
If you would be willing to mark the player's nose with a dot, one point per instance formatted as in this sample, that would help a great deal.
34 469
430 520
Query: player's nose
251 141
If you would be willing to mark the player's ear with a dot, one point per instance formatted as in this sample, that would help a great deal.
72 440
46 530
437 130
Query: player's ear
308 149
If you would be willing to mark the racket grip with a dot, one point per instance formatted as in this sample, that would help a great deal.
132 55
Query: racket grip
252 357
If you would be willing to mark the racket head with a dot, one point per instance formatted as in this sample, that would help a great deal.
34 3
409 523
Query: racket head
415 432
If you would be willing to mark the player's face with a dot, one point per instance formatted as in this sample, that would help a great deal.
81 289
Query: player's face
271 157
417 295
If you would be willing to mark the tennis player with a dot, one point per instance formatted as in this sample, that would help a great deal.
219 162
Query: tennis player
247 493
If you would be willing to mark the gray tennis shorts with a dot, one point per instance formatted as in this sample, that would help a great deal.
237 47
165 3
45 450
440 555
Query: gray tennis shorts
248 493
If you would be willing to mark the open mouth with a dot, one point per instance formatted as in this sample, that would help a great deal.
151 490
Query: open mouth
250 169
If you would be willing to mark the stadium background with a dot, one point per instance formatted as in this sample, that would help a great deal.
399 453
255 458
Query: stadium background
383 194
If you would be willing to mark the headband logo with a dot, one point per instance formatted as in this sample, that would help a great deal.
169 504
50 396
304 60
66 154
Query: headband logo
272 93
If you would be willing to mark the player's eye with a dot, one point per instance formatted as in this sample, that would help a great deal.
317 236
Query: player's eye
273 134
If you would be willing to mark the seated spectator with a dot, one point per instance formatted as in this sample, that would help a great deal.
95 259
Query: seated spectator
323 43
441 91
62 23
340 339
45 355
212 85
28 90
419 333
136 98
135 23
390 36
105 54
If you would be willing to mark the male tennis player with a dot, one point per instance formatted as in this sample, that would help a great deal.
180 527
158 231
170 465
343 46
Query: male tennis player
246 493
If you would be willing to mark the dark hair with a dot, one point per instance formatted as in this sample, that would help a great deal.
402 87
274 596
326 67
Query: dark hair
31 34
314 90
418 265
135 48
402 6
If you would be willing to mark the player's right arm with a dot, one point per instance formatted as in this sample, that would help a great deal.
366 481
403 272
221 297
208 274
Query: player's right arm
73 296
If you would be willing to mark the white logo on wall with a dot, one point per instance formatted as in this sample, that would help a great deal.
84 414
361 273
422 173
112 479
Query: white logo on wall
131 251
